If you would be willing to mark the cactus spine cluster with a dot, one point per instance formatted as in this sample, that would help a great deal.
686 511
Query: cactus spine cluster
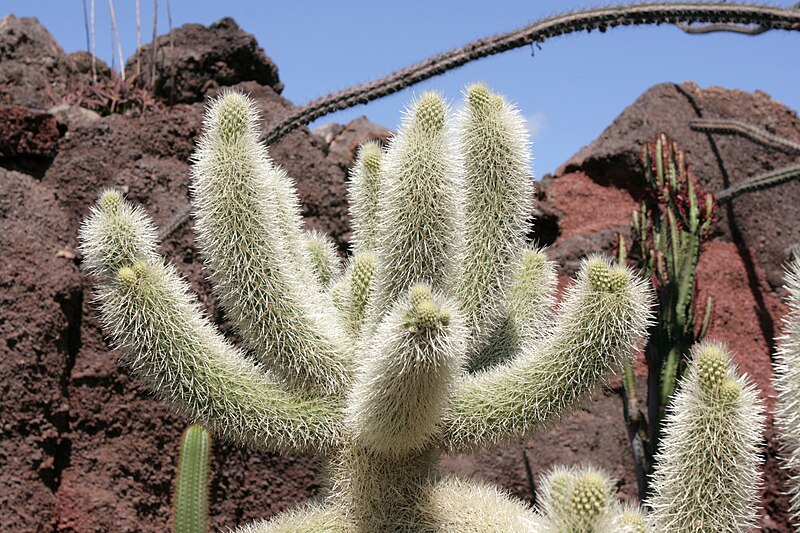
440 333
787 383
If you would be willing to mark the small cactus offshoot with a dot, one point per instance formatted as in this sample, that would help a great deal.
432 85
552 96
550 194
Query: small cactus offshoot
439 334
190 499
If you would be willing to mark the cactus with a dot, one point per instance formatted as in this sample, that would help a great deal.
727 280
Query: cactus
787 383
707 475
580 500
190 499
668 232
439 334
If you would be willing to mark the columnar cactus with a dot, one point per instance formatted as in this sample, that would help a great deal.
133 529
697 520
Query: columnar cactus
706 477
439 335
668 231
787 383
190 497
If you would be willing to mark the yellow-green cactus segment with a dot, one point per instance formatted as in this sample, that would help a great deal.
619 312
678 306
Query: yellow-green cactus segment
419 293
711 367
497 200
248 227
430 113
595 331
110 201
190 498
729 391
323 256
403 383
589 498
361 287
235 117
707 473
127 276
528 311
418 226
364 193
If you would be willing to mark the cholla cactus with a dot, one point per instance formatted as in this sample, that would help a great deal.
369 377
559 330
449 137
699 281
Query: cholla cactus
580 500
439 335
707 476
787 383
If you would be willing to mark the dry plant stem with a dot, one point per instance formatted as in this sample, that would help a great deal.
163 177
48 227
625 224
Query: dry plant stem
600 19
154 50
94 50
115 29
138 39
86 27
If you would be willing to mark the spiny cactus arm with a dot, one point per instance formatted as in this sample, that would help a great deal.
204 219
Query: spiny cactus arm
248 227
322 255
311 518
364 193
404 381
759 182
418 207
600 18
148 312
179 354
353 292
623 518
576 500
528 316
787 383
457 505
748 131
498 199
190 499
706 476
603 317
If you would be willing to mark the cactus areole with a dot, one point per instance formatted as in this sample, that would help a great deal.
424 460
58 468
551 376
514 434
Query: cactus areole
439 334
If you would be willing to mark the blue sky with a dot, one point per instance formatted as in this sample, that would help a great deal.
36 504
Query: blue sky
569 91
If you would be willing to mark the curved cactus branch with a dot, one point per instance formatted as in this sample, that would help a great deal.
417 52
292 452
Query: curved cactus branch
757 135
771 18
732 28
761 181
768 18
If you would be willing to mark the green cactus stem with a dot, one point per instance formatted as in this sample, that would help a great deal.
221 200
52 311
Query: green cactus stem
668 233
190 499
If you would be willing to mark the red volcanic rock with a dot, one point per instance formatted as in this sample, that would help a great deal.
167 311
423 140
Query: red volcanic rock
27 132
194 59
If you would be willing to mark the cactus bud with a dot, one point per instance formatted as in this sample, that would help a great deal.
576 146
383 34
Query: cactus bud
429 114
110 201
127 276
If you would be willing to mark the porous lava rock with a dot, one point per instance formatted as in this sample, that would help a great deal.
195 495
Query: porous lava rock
194 59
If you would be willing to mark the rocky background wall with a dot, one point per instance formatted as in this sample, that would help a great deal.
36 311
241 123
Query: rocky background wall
84 448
